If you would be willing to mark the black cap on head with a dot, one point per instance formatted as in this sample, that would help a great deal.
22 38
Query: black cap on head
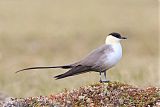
117 35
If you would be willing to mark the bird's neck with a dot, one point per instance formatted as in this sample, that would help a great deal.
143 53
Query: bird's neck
111 42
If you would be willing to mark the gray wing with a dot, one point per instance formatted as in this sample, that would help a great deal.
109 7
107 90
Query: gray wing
93 61
96 58
73 71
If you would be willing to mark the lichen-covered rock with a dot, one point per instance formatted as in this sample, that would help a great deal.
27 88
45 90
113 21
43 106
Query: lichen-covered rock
97 95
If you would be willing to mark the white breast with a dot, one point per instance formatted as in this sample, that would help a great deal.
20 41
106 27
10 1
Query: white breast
115 56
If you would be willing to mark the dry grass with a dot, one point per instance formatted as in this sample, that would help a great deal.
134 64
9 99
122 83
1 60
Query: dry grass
35 33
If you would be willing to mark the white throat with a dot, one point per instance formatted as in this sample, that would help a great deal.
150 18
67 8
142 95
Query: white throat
112 40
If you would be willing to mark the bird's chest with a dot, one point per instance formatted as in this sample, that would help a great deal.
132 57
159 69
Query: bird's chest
113 57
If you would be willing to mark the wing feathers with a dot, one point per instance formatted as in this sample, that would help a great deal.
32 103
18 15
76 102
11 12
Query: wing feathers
74 71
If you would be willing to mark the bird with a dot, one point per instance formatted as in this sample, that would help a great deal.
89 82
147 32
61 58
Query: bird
99 60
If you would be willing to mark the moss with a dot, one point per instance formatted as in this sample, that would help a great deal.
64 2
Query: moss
99 94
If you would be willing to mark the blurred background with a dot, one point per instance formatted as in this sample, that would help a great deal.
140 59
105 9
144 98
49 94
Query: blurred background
57 32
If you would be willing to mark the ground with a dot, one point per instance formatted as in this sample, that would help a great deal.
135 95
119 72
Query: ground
95 95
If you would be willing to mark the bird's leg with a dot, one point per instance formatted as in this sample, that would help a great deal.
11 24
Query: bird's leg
100 77
103 77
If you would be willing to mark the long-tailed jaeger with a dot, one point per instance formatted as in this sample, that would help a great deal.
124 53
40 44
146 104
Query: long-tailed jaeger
99 60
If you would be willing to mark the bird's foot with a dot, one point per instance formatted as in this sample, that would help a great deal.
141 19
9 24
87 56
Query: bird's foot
104 81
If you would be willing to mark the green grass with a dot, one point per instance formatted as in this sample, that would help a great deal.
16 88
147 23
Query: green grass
36 33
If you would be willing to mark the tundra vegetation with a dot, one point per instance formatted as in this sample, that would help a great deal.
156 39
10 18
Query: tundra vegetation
112 94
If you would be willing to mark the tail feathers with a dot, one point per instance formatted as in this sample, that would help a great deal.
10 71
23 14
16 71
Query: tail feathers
64 67
72 72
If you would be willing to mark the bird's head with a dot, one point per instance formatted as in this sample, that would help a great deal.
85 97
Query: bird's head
114 38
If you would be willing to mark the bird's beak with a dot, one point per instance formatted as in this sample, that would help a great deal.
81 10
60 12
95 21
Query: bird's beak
123 38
